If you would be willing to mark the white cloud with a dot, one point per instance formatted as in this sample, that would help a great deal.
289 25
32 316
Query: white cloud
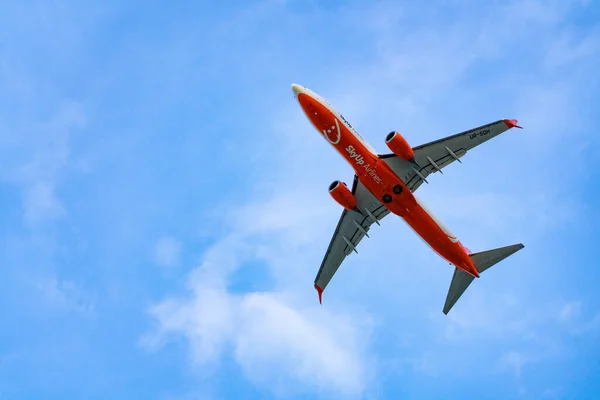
206 320
273 338
513 361
167 251
283 339
35 154
63 295
305 344
40 202
575 322
569 311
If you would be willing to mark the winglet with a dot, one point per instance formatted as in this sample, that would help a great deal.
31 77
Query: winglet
320 291
512 123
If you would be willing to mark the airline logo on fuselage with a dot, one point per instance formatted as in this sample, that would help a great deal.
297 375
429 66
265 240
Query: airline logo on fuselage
353 154
347 123
333 130
359 160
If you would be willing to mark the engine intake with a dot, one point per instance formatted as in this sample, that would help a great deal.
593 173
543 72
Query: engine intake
342 195
399 146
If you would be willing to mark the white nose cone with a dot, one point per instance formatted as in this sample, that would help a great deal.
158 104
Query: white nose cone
297 89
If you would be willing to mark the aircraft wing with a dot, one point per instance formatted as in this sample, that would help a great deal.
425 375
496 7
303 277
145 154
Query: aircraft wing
434 156
350 230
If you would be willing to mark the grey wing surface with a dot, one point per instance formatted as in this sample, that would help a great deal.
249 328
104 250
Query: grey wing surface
351 228
434 156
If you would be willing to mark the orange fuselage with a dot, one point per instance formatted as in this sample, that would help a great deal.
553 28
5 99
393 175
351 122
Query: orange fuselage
380 180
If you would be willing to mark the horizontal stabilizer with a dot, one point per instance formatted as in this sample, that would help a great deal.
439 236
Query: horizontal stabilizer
485 259
460 282
482 260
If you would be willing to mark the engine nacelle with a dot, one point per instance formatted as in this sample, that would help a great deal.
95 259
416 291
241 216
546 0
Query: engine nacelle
399 146
340 193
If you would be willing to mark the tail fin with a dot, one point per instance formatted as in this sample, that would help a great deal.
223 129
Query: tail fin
482 260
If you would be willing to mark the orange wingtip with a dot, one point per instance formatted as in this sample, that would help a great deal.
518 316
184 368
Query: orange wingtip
512 123
320 291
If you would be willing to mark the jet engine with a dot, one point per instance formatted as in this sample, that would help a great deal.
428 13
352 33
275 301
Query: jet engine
399 146
340 193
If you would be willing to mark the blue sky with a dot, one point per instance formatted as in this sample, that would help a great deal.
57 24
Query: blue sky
165 206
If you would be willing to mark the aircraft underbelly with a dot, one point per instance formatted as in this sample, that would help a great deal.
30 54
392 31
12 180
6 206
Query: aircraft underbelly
430 229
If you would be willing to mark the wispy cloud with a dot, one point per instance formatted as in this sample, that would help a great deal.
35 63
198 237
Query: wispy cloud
35 154
514 361
167 251
63 295
576 323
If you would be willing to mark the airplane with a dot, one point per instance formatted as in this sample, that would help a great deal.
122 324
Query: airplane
385 183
